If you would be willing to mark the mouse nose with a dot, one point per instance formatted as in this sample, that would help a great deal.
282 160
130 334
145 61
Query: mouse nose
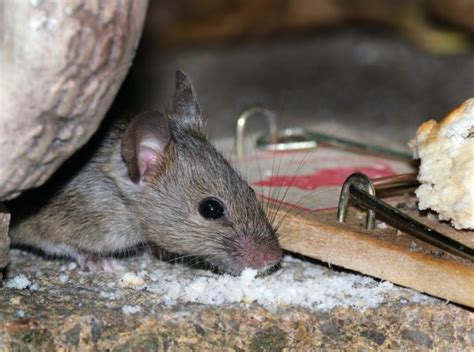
256 254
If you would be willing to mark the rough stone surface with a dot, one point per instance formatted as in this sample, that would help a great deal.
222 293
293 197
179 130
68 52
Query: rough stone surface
247 329
4 239
73 315
62 63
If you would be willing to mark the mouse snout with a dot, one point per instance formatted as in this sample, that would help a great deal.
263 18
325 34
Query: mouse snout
254 254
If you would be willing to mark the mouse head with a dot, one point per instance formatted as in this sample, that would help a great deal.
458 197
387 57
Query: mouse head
190 200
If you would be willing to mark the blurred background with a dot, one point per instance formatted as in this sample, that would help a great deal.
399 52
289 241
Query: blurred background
377 66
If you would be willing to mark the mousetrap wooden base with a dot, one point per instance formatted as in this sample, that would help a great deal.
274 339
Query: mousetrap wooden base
308 184
384 253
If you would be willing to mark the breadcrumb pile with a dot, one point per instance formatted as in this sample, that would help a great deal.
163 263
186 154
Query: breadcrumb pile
148 283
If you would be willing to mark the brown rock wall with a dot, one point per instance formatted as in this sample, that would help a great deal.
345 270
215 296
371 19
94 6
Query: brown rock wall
62 63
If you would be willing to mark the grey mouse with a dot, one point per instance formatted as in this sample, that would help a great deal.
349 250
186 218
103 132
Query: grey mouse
155 180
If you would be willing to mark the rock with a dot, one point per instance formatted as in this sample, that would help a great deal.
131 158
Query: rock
62 64
4 239
74 315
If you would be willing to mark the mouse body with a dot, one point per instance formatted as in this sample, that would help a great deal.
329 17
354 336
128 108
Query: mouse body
153 180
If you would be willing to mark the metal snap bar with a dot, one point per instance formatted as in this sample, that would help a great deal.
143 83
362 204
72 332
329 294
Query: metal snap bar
347 144
288 139
242 123
358 180
300 138
361 189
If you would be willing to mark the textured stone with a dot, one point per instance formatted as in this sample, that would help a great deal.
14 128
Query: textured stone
254 329
62 64
4 239
75 316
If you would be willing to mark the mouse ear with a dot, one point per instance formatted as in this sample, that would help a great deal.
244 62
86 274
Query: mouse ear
185 104
143 144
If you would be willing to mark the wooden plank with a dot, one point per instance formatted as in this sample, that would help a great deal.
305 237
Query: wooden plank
382 254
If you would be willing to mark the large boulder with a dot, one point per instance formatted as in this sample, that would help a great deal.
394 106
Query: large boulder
62 63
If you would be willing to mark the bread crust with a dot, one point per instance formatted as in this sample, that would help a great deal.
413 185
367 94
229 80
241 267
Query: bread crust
446 174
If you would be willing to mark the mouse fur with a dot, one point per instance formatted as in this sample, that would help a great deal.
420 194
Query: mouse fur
143 184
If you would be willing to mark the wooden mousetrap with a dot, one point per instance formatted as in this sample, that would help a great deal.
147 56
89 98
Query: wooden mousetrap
300 183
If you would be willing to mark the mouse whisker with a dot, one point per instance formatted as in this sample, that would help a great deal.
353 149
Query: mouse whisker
271 192
294 210
296 173
180 258
257 158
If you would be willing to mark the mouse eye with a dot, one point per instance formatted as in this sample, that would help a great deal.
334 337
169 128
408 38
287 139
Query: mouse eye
211 208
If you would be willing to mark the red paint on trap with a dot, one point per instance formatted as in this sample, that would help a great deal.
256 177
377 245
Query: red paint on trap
324 178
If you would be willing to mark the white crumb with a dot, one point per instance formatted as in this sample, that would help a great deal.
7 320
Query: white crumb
381 225
19 282
131 280
71 266
248 275
68 267
128 310
142 273
63 278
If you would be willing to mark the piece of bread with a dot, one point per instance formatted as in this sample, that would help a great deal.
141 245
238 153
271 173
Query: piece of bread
446 174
